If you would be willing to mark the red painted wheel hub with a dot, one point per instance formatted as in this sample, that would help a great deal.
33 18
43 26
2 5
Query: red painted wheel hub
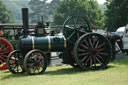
5 49
94 52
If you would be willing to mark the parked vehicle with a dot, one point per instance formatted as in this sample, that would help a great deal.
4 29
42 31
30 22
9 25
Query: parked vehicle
120 31
125 39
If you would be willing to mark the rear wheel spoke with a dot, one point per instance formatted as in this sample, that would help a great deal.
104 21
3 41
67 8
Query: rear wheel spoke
97 43
88 60
94 61
101 45
85 57
83 54
84 46
90 43
98 60
100 49
100 57
86 43
82 50
91 62
94 41
103 53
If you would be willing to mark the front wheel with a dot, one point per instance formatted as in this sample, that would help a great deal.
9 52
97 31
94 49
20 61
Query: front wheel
15 62
35 62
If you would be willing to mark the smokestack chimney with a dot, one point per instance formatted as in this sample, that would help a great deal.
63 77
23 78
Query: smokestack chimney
25 20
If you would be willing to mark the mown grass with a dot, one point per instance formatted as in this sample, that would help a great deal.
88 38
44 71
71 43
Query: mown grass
115 74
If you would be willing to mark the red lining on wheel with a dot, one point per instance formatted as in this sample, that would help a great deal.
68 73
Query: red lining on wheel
4 66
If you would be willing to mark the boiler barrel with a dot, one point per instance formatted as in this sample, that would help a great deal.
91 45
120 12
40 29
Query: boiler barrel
48 43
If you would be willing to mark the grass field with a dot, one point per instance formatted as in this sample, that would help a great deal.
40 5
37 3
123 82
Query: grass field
115 74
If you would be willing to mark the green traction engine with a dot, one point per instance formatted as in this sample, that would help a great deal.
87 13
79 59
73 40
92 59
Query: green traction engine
77 46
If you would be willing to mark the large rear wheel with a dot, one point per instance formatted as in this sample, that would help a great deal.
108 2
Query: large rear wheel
92 51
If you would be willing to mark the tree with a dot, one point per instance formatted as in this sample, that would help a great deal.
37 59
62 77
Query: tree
95 14
5 15
87 8
38 9
15 6
42 8
53 5
116 14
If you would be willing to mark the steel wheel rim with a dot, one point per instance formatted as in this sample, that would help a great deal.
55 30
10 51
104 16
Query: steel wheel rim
92 55
5 49
14 62
35 62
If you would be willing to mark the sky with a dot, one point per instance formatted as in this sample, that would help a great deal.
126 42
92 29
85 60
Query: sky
99 1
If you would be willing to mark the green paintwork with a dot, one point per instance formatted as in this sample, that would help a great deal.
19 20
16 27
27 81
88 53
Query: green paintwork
56 43
41 43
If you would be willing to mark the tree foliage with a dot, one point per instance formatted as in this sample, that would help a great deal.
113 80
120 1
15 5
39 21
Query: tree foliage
116 14
38 8
42 8
87 8
5 15
15 6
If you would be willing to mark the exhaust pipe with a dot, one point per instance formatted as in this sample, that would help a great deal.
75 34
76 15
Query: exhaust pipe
25 21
